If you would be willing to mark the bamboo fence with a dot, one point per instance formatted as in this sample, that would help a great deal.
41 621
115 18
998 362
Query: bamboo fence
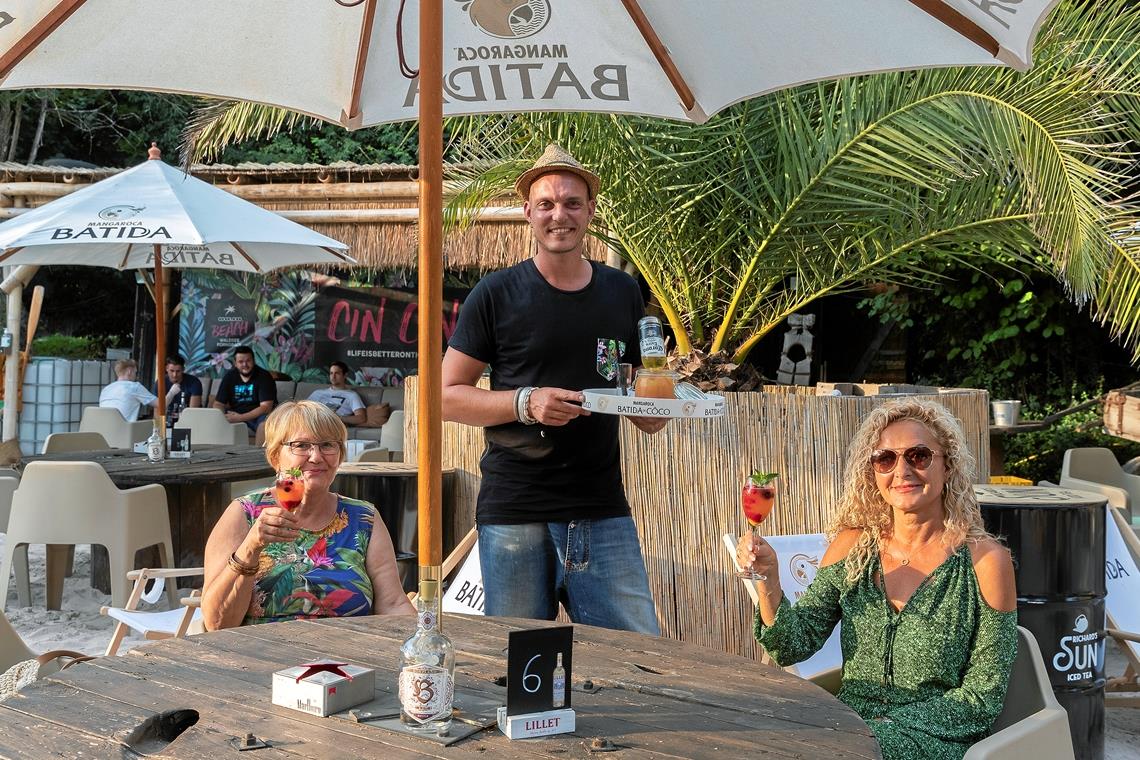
683 486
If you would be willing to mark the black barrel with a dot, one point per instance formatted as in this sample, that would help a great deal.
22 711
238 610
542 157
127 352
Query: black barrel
395 500
1056 536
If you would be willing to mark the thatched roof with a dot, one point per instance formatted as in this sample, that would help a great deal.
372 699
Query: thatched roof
369 207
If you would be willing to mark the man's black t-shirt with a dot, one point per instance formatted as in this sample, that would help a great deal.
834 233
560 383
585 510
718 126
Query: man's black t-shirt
243 396
531 333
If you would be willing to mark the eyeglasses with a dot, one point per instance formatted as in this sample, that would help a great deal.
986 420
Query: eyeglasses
305 447
918 457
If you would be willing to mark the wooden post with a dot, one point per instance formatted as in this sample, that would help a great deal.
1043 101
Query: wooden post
429 401
159 343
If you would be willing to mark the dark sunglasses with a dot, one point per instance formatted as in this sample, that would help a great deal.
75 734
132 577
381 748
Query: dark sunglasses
918 457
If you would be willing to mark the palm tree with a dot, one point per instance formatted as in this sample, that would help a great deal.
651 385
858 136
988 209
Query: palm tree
740 222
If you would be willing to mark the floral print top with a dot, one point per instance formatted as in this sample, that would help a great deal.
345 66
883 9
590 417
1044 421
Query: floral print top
321 574
929 679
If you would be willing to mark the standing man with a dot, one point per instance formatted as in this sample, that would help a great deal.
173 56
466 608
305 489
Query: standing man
554 523
182 389
344 401
127 394
246 393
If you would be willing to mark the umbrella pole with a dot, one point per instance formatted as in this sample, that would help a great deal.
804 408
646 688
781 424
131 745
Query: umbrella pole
429 409
160 343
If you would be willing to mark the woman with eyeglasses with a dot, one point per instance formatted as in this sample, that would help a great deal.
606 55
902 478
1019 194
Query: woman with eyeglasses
924 594
330 556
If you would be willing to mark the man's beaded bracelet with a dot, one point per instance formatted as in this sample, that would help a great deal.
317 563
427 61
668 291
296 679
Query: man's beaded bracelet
238 567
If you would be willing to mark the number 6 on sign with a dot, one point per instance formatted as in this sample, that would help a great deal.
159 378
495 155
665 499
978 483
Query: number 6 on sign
532 658
531 686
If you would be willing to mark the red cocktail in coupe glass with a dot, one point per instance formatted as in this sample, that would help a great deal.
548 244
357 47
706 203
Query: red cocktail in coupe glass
757 497
289 489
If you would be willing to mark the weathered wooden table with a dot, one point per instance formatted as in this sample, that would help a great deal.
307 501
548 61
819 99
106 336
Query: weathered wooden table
197 492
658 698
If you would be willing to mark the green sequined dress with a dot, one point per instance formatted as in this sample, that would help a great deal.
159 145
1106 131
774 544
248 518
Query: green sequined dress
930 679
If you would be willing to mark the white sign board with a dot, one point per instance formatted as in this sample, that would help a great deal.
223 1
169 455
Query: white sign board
465 594
799 558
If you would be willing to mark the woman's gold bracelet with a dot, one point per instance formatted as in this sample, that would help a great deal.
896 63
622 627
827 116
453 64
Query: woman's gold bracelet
238 567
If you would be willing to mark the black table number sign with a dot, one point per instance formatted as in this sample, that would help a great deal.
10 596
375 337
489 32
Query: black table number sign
531 657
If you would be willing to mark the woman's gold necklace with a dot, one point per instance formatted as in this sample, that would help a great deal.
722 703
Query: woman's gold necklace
906 558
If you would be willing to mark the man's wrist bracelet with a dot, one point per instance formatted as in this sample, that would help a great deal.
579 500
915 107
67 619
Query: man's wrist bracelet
525 416
238 567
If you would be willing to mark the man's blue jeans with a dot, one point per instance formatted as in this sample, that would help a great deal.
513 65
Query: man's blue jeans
594 567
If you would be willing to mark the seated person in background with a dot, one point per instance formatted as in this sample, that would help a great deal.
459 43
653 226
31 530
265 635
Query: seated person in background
126 394
246 393
925 596
183 390
338 397
330 556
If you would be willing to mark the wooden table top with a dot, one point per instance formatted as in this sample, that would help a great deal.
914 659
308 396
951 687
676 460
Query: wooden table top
658 698
207 464
384 469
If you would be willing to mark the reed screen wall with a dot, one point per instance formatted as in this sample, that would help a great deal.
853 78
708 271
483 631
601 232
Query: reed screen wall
683 485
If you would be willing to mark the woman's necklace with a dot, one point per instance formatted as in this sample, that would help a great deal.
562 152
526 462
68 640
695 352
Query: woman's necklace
905 558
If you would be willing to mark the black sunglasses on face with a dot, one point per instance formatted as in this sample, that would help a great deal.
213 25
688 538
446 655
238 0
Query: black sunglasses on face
918 457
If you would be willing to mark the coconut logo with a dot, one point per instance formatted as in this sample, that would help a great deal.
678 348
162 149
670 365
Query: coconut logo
121 212
508 19
802 568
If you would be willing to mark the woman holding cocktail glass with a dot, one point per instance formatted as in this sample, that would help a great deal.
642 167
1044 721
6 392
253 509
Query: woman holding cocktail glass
925 596
297 550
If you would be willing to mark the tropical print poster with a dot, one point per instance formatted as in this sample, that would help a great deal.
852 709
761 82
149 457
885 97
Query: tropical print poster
299 322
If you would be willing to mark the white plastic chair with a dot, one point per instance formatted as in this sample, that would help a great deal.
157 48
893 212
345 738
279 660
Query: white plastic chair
392 435
1032 723
160 624
1096 469
59 443
13 650
114 427
211 426
374 455
67 503
9 481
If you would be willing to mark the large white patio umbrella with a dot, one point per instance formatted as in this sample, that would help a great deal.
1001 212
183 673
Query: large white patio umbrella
154 216
348 61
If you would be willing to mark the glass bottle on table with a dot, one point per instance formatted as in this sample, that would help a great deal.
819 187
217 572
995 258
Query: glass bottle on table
427 669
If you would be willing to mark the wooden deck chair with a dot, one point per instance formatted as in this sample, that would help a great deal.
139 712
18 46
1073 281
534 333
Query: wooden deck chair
1122 606
799 557
163 624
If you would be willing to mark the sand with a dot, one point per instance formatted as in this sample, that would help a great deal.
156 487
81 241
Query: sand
79 626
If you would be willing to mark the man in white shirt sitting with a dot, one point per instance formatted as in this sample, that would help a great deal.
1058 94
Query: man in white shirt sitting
125 394
340 398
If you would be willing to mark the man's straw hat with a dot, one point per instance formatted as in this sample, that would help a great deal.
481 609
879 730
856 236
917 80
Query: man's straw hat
555 159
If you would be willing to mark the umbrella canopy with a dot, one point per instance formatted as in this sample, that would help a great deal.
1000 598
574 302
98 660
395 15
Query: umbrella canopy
342 60
118 222
349 61
156 216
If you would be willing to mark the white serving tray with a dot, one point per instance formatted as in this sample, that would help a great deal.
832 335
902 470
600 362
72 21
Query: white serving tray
609 401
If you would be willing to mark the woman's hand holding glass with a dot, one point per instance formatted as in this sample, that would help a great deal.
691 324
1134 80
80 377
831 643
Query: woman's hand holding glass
756 555
274 524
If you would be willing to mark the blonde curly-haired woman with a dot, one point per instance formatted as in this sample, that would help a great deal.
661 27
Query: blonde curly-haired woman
925 595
